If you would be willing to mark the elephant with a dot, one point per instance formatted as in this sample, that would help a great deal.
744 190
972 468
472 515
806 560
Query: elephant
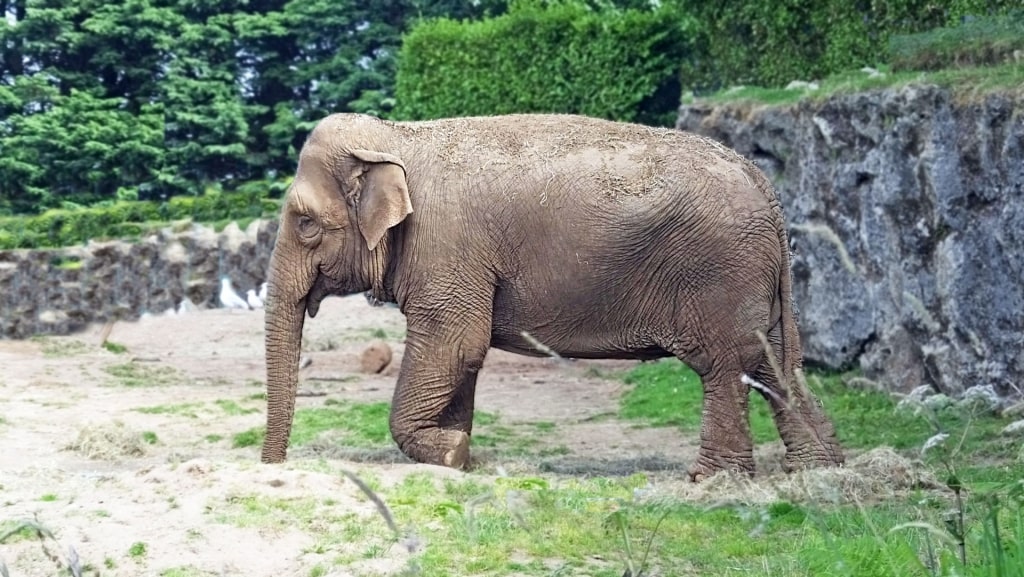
596 238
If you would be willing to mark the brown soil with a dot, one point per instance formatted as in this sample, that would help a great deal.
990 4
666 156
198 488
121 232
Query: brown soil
73 460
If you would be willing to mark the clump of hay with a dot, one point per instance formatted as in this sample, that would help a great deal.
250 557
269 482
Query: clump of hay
108 441
879 474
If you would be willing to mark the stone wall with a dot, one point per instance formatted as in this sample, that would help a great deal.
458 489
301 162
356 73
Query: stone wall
924 191
62 290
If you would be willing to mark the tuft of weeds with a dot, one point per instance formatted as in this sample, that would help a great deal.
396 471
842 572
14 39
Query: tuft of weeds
184 409
138 550
186 571
135 374
233 408
60 347
115 348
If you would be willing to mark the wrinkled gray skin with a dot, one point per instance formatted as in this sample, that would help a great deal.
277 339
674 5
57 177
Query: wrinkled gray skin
599 239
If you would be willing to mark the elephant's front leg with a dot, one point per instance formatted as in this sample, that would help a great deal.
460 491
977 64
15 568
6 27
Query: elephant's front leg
432 408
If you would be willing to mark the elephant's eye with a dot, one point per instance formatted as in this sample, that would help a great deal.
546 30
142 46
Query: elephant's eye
307 227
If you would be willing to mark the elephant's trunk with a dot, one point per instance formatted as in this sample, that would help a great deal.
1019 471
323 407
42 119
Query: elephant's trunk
284 318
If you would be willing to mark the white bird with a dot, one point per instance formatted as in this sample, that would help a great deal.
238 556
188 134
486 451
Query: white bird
187 306
263 292
253 300
229 298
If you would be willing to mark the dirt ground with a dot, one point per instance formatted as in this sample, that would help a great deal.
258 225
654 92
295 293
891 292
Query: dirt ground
57 394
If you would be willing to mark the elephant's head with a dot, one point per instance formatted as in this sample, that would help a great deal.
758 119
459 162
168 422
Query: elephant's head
332 240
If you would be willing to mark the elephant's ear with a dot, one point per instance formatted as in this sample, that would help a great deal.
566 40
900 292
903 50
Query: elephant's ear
384 200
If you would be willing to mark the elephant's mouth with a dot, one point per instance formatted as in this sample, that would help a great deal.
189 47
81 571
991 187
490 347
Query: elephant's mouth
323 287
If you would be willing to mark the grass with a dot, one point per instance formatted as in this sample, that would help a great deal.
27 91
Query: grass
194 410
985 40
963 81
530 525
668 393
137 550
233 408
56 347
365 425
802 525
356 424
189 410
186 571
133 374
115 348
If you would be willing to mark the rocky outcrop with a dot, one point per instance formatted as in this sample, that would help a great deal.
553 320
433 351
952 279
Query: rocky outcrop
62 290
924 192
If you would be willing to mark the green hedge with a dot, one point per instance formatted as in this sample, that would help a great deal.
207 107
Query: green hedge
546 57
66 227
771 43
985 41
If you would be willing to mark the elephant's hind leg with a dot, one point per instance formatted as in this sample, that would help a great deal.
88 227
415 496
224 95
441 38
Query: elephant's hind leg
806 431
432 407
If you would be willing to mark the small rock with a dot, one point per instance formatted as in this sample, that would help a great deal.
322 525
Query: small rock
197 467
375 358
52 317
1015 428
802 85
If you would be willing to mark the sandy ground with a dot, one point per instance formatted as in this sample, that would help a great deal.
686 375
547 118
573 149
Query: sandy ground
57 391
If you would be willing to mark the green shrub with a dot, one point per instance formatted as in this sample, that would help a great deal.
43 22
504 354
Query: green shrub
546 57
986 41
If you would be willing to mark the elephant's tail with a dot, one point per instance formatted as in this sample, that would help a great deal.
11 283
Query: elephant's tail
792 352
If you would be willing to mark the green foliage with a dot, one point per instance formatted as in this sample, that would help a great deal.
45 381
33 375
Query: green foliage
62 227
771 43
983 41
150 99
546 57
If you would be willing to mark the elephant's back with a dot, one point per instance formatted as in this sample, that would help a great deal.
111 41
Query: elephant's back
619 160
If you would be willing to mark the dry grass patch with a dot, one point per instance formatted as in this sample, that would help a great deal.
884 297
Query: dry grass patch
877 475
108 441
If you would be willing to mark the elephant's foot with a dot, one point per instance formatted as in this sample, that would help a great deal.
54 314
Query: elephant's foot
708 464
816 456
445 447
